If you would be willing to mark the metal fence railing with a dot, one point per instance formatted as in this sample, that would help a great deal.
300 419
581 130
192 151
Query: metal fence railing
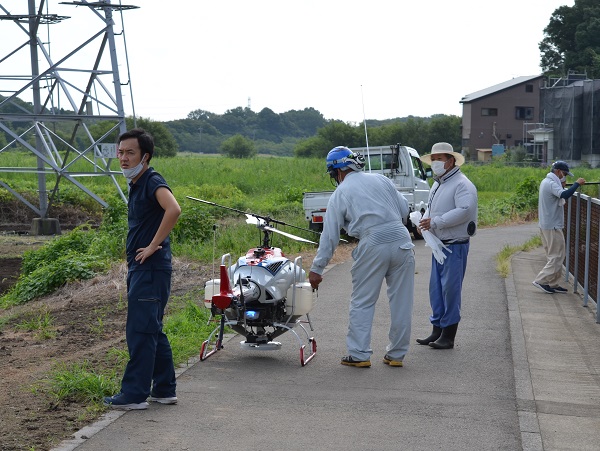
582 237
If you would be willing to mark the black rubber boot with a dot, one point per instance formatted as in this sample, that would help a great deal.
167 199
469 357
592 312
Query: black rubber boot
446 341
435 334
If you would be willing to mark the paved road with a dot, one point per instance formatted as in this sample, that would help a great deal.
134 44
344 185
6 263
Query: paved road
482 395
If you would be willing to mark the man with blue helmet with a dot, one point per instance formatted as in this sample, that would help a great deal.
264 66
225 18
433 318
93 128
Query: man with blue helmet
369 208
552 197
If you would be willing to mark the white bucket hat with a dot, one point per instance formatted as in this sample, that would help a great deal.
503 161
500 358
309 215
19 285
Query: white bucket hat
443 148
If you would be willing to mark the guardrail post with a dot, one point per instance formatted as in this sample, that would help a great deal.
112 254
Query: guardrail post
576 249
588 226
597 280
568 243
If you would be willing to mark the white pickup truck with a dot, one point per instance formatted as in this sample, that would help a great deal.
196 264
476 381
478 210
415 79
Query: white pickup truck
401 164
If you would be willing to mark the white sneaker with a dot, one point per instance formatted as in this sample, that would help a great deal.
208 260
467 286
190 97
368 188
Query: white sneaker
118 402
169 400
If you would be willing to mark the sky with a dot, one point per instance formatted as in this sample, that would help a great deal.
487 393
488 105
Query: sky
348 59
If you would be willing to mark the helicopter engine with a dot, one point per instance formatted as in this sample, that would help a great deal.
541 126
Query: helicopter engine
268 289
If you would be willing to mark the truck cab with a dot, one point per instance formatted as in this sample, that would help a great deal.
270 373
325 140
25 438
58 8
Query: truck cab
401 164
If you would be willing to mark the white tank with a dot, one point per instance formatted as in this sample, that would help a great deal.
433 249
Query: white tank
304 301
211 288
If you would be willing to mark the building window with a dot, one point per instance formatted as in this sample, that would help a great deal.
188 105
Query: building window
489 111
528 88
524 113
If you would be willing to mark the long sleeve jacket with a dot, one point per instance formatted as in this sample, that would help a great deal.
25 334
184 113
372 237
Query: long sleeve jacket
367 206
452 207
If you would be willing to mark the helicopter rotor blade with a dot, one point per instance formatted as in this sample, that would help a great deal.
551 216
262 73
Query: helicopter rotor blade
255 220
216 205
289 235
259 218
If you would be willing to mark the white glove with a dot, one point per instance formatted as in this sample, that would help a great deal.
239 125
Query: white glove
415 217
436 246
431 240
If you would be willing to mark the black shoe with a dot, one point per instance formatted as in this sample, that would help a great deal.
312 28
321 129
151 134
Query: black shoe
435 334
351 361
560 290
545 288
446 340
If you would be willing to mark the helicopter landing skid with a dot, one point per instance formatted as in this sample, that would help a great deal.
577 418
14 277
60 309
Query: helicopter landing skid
312 351
205 352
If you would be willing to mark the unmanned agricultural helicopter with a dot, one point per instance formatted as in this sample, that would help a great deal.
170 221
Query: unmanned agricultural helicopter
261 296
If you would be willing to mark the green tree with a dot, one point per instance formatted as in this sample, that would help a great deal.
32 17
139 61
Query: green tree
572 40
238 147
307 121
200 115
316 146
339 133
164 142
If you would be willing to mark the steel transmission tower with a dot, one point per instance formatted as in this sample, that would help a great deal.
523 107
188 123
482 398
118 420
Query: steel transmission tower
68 109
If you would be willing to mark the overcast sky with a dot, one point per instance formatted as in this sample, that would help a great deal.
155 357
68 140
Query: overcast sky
345 58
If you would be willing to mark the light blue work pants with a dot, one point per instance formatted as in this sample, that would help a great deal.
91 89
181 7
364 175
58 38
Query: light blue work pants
372 264
445 285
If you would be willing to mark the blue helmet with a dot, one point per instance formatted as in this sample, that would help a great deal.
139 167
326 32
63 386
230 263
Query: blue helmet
341 157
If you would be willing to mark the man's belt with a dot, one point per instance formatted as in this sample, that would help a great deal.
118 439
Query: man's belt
456 241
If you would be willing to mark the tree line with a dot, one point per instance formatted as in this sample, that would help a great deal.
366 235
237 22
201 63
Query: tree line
242 133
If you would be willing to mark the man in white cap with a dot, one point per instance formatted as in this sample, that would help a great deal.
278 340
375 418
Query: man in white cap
451 216
552 197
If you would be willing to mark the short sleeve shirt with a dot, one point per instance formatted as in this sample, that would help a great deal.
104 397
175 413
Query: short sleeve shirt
144 215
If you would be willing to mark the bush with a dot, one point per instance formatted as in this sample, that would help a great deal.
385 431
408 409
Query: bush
194 224
77 241
525 197
55 273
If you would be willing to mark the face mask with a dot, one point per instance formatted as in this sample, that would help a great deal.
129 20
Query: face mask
563 180
132 173
438 167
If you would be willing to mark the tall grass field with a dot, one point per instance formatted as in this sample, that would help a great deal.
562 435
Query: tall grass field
273 187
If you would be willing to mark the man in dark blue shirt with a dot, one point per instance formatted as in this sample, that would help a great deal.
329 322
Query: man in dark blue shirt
152 214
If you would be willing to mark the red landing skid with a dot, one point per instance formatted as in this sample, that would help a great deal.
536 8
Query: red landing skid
207 349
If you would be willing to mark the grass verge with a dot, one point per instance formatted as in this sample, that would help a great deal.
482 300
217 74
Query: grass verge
503 258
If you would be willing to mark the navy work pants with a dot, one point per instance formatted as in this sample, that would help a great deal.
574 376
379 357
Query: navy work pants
150 367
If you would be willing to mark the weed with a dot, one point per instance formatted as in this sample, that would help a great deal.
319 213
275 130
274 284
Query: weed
186 326
98 327
117 358
78 382
40 323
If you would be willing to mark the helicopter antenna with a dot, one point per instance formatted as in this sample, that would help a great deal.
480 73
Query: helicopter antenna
365 123
214 227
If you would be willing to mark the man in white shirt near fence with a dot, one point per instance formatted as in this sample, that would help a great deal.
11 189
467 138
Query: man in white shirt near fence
551 203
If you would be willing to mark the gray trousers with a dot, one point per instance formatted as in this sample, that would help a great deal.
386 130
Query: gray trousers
554 245
372 264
